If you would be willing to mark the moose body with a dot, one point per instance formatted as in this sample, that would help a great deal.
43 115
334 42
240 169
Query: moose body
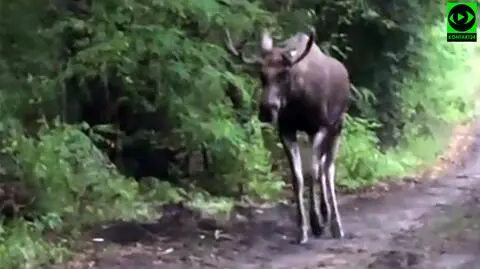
305 90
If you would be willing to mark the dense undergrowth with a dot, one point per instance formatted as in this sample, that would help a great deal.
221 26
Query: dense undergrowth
109 108
442 88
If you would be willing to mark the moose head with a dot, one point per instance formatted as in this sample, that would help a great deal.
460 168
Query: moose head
275 69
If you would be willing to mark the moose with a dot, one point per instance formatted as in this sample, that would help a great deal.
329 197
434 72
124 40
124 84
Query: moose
304 90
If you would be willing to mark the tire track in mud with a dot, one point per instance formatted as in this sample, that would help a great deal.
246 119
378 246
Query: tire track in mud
428 224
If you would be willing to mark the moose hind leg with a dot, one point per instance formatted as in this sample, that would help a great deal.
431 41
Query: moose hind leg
332 149
317 222
292 151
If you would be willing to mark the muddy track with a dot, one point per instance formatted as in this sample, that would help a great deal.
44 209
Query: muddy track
430 224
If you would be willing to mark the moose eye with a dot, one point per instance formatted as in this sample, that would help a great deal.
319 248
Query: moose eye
283 75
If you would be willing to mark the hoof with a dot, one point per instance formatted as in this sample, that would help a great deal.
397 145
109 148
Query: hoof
337 231
317 230
302 238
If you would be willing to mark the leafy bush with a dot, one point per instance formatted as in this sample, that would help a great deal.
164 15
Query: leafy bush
433 95
23 245
71 178
73 185
360 160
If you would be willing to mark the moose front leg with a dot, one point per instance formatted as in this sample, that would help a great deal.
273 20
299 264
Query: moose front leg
292 151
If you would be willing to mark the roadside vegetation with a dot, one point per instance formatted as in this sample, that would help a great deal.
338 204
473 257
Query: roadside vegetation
110 108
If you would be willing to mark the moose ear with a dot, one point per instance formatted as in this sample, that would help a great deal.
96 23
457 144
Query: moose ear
267 42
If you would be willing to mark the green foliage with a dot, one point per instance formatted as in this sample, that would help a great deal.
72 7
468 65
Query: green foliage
435 95
73 185
441 94
360 160
73 179
186 79
22 245
215 206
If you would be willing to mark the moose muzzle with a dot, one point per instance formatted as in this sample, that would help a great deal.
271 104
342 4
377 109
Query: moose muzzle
268 112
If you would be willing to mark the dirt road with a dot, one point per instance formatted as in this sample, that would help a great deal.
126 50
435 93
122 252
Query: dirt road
429 224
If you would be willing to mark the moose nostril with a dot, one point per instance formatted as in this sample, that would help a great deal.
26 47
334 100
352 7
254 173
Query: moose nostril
264 113
267 111
267 108
265 117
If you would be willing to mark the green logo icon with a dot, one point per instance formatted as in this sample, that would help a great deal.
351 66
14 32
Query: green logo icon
461 21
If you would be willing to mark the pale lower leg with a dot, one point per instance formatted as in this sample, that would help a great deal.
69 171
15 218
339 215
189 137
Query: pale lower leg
317 221
336 222
318 159
293 153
